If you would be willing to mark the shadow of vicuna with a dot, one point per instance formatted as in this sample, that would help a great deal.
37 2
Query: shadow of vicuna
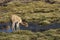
34 27
37 28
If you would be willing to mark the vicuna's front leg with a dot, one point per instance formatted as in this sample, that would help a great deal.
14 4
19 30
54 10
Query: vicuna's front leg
18 26
13 26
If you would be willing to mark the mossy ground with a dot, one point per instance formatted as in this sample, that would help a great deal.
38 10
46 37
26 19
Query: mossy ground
52 34
37 12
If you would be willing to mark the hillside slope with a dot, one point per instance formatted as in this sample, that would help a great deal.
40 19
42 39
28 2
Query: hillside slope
36 11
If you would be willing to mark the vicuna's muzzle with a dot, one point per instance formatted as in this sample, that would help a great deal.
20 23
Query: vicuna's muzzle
25 24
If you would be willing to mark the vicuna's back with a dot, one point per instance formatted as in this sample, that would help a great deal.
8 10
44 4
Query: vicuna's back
15 18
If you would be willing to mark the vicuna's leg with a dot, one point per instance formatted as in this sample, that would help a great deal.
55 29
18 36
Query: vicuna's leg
13 26
17 27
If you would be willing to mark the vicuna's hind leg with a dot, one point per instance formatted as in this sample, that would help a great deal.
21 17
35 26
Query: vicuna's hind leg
13 26
17 27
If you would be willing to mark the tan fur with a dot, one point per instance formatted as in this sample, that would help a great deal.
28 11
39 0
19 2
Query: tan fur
18 20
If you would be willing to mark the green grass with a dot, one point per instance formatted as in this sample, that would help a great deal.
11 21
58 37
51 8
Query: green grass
36 11
28 35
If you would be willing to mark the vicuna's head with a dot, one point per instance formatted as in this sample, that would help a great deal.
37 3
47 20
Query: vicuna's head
24 23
